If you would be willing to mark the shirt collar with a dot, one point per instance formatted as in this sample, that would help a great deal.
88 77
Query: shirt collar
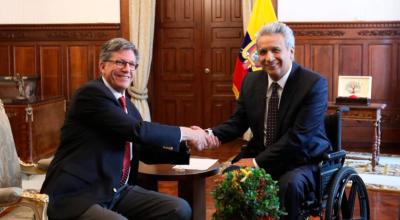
282 81
116 94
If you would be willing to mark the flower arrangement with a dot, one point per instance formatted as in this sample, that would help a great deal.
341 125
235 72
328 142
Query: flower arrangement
246 193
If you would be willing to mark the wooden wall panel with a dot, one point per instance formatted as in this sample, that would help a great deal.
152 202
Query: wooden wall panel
25 60
50 71
319 63
78 67
380 68
350 59
396 81
95 64
4 60
357 48
63 56
299 54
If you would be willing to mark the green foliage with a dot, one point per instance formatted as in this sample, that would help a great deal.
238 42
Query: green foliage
248 193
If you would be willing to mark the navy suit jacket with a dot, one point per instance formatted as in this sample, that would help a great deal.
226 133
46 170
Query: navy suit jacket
87 166
301 132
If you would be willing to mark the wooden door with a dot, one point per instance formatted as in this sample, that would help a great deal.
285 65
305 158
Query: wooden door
196 43
223 34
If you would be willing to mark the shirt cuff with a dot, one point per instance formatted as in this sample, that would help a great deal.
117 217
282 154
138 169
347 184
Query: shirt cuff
180 130
255 163
209 132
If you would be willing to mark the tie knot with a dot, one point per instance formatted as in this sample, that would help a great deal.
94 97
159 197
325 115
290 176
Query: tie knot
122 101
275 86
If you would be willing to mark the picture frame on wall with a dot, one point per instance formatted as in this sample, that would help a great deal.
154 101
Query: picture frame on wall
354 90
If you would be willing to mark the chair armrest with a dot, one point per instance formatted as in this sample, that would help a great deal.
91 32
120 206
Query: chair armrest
43 164
31 168
343 108
9 195
334 155
37 202
13 196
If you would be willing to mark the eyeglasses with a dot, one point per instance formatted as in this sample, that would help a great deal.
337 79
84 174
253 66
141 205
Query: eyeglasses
122 63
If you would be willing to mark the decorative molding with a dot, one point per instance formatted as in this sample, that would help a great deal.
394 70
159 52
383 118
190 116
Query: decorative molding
386 33
348 30
11 35
50 32
343 25
41 27
82 35
319 33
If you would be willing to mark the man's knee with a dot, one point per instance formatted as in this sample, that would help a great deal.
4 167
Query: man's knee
292 185
97 212
292 188
182 210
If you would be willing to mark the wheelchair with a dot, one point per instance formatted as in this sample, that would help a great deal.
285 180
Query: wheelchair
340 193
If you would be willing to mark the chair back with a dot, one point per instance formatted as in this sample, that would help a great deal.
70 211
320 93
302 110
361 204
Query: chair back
333 128
10 171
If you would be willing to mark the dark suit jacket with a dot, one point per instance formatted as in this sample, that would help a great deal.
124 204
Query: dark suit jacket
301 133
87 166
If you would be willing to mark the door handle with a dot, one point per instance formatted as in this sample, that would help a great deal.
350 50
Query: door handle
206 70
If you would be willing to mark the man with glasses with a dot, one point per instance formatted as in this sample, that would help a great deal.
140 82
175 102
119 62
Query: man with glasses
93 173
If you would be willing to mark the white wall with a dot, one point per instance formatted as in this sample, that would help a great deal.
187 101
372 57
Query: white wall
108 11
59 11
339 10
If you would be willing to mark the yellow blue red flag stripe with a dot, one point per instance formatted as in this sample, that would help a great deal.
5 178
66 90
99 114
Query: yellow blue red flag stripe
262 14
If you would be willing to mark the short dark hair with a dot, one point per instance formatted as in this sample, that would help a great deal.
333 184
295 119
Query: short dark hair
115 45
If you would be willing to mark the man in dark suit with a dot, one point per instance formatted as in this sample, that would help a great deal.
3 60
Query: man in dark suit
93 173
289 145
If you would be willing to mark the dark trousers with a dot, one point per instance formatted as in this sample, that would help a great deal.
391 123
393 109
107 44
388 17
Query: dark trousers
138 203
294 185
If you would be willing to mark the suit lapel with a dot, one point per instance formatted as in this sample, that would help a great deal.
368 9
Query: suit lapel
132 110
288 93
260 97
107 91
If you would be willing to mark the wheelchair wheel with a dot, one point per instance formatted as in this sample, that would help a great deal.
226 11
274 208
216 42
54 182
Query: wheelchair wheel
348 198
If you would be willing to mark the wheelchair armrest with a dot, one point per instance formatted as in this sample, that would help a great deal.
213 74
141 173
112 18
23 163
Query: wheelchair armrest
343 108
334 155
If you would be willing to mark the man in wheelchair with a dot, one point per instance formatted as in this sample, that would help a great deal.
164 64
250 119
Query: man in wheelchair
284 105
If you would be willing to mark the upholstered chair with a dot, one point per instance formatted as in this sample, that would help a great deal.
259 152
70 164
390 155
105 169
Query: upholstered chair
16 203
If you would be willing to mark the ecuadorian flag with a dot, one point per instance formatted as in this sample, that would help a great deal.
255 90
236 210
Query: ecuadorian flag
262 14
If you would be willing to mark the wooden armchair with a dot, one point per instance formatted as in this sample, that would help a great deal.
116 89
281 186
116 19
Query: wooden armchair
16 203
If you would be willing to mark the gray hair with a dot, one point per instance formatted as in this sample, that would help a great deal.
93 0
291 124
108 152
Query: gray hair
278 28
115 45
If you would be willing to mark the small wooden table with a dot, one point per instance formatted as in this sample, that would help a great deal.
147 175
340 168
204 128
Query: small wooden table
370 113
191 183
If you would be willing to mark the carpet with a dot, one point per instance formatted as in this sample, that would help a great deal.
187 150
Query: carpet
386 176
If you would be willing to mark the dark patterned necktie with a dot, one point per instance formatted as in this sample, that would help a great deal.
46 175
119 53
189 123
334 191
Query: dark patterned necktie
272 117
127 154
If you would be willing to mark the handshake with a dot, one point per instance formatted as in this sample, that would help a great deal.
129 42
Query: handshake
198 138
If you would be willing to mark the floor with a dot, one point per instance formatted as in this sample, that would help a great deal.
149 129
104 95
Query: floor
383 205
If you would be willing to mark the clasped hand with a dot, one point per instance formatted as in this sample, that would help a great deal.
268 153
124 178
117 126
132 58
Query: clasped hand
197 138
